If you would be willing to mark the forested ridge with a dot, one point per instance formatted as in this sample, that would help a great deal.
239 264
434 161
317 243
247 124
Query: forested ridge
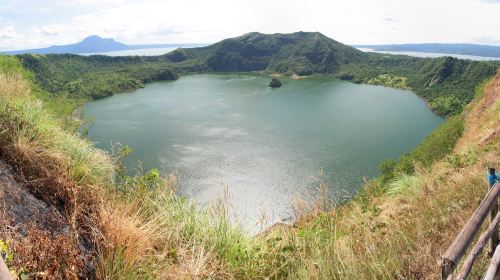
100 223
446 83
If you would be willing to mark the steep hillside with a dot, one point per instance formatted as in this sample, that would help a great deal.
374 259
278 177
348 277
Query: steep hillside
94 76
49 199
100 223
398 226
453 76
98 76
75 207
446 83
303 53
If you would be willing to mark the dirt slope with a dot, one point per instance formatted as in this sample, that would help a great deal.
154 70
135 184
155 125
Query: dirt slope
38 232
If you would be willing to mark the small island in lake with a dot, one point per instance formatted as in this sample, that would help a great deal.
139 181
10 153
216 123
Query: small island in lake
275 83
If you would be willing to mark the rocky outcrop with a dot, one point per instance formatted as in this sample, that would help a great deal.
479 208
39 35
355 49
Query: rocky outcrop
275 83
38 232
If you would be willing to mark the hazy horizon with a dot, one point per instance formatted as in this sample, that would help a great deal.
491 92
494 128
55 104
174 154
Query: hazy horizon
26 24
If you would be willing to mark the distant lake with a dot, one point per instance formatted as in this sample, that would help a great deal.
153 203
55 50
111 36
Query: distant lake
266 145
433 55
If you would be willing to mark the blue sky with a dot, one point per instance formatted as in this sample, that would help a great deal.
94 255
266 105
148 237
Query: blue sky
38 23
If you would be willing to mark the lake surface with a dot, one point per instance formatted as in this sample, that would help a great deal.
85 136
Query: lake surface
433 55
266 145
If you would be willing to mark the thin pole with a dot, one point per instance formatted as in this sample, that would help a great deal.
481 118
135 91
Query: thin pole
477 249
493 268
493 214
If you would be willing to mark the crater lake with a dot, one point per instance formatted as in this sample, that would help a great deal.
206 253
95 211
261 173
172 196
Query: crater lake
265 146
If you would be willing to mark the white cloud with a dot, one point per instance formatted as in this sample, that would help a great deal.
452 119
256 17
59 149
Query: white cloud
50 30
8 32
10 37
348 21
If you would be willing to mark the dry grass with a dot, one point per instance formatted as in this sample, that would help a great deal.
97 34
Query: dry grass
137 228
133 234
13 85
58 168
401 233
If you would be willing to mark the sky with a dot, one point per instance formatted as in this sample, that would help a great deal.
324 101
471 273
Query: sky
41 23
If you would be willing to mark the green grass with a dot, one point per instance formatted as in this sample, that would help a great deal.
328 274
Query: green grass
405 185
435 146
157 231
446 83
394 228
389 81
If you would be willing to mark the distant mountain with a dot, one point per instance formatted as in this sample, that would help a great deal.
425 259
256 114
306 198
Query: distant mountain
465 49
94 44
446 83
303 53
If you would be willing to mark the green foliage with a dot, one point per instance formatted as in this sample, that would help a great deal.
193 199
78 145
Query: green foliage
435 146
447 105
375 65
464 159
303 53
25 121
389 81
331 246
405 185
6 253
94 76
140 185
446 83
10 64
387 169
60 105
449 83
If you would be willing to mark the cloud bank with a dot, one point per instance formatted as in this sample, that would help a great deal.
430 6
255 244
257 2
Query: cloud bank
34 23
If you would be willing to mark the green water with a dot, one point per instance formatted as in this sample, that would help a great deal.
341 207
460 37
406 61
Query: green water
266 145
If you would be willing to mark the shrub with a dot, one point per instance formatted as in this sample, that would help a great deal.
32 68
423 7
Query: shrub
435 146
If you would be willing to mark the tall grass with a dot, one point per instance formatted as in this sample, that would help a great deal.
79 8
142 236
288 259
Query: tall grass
398 228
140 228
30 130
395 228
57 167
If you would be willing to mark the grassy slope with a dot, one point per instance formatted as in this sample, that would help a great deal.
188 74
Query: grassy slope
57 167
398 229
395 228
137 227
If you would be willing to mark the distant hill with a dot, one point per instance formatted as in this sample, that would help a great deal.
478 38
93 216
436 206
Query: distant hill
446 83
465 49
303 53
93 44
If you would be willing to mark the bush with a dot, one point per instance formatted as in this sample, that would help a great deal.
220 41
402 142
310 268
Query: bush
435 146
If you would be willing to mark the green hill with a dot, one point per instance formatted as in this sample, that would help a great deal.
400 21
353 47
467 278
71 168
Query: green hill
446 83
100 223
303 53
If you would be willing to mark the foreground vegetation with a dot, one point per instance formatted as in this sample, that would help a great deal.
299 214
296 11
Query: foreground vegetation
137 228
